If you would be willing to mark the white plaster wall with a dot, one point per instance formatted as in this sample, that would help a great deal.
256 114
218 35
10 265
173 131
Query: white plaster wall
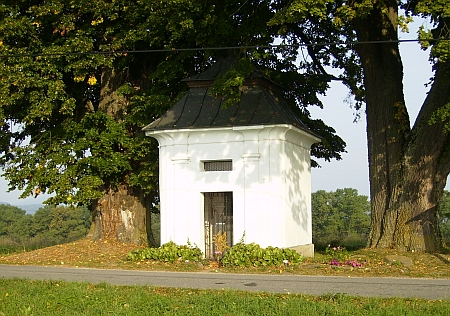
270 182
298 196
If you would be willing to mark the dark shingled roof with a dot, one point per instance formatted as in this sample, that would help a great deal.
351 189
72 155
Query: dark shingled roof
261 104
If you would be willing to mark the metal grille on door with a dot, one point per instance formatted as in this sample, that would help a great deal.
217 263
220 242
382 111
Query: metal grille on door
218 217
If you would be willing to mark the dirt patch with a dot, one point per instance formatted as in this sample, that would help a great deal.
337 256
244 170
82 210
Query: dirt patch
79 253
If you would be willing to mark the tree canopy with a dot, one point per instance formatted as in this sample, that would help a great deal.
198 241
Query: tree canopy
80 78
13 221
61 133
408 166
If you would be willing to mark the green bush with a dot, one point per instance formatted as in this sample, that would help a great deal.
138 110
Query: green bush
246 255
169 252
337 254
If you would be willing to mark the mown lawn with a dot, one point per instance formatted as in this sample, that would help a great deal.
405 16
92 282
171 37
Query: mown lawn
24 297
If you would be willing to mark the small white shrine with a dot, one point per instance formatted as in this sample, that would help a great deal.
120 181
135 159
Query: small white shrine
244 170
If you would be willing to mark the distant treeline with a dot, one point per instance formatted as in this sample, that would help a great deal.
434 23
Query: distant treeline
50 225
444 217
342 218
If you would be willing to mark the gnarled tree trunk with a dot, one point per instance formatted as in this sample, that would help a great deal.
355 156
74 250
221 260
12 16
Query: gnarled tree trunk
123 214
406 166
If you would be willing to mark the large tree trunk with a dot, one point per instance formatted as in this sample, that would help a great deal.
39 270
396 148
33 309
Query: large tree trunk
121 216
406 172
123 213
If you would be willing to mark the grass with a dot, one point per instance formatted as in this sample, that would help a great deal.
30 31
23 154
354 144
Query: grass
24 297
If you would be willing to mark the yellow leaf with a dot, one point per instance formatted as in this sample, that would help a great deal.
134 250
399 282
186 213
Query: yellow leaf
95 22
92 81
78 78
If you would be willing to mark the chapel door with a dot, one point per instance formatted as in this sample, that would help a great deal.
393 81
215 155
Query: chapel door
218 217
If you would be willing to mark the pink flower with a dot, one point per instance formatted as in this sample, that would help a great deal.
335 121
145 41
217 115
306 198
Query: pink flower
335 263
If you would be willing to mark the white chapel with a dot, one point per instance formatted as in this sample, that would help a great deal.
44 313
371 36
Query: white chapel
243 170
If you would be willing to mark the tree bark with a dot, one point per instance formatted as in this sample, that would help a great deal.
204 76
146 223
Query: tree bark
121 216
123 213
407 175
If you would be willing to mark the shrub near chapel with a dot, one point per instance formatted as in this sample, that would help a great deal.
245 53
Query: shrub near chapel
247 255
169 252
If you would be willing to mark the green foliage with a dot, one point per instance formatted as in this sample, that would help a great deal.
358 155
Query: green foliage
71 117
337 254
441 115
50 225
169 252
247 255
444 216
229 84
438 13
445 205
369 69
403 23
14 222
61 224
339 216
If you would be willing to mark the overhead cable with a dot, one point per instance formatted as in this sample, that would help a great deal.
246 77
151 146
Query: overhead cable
275 46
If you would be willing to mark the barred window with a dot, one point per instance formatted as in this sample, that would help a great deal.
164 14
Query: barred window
218 165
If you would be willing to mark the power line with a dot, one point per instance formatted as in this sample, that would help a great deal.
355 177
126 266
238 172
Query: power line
221 48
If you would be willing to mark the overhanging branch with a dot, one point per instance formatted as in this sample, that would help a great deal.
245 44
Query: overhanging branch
312 52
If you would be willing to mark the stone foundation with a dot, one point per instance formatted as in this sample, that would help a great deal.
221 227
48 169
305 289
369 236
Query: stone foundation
305 250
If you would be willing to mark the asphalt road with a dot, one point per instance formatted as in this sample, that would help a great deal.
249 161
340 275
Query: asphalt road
432 289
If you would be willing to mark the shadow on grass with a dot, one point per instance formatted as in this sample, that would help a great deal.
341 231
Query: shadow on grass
350 243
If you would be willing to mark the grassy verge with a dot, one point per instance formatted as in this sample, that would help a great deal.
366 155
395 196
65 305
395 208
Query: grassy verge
24 297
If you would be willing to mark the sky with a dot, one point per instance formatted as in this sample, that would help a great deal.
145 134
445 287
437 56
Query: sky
352 171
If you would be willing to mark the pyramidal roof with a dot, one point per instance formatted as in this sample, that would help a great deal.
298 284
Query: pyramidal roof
261 103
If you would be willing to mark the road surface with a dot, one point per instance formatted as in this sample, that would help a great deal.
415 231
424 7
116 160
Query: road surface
432 289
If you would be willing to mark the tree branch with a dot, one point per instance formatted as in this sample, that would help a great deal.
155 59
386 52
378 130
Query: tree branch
313 54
